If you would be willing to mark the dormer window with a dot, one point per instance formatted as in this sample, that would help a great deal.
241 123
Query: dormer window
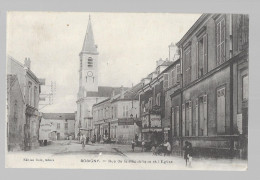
90 62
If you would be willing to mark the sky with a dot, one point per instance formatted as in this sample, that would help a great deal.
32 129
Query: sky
129 44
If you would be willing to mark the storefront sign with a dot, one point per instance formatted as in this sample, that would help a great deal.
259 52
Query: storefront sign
155 120
145 121
126 121
239 123
152 130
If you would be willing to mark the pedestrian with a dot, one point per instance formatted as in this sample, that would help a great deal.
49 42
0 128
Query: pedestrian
83 141
167 145
143 144
133 145
188 153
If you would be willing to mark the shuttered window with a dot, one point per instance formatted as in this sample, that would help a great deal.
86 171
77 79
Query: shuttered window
173 122
165 80
174 76
178 68
220 36
188 122
202 55
203 111
177 121
196 117
221 105
187 62
183 119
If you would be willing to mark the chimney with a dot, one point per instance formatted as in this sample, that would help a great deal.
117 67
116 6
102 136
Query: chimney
27 63
122 92
159 62
113 93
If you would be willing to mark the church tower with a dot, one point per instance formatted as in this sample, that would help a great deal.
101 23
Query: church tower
88 70
88 83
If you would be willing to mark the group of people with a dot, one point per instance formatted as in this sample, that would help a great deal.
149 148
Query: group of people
165 148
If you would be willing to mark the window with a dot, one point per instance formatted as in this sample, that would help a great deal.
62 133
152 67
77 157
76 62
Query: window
221 106
123 111
196 123
126 113
150 102
58 125
165 80
35 95
90 62
220 42
202 55
188 119
178 69
243 31
174 76
177 120
66 126
183 119
245 88
158 99
203 114
187 65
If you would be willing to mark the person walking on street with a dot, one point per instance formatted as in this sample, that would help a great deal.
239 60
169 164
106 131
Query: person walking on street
133 145
188 153
143 143
83 141
168 148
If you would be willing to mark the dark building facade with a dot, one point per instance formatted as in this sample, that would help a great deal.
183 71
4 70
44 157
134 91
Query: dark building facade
152 105
210 108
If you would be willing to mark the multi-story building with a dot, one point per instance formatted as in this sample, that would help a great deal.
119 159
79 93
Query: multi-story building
211 107
152 104
57 126
116 118
172 86
30 87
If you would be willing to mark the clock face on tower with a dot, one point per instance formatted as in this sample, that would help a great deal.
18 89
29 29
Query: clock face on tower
89 73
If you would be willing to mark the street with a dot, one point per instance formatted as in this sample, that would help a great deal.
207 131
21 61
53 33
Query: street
114 153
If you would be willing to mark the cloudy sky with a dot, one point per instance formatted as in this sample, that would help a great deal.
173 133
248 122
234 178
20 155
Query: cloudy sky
129 45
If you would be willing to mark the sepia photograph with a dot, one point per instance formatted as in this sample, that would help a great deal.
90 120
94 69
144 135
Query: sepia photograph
100 90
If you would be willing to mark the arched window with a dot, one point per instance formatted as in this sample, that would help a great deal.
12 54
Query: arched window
90 62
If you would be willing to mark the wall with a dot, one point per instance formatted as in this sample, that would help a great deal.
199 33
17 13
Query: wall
53 122
16 118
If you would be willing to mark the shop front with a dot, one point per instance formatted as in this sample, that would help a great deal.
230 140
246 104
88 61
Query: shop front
151 129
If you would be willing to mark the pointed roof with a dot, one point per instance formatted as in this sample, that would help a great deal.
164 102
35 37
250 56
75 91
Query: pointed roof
89 43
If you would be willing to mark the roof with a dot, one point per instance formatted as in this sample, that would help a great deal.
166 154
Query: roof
166 63
89 43
29 72
59 116
105 91
193 27
133 92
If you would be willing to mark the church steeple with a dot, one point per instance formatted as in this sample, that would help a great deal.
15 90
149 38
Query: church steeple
89 43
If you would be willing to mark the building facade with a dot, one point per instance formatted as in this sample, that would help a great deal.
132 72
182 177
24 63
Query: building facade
115 119
15 115
30 88
57 126
210 106
152 105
